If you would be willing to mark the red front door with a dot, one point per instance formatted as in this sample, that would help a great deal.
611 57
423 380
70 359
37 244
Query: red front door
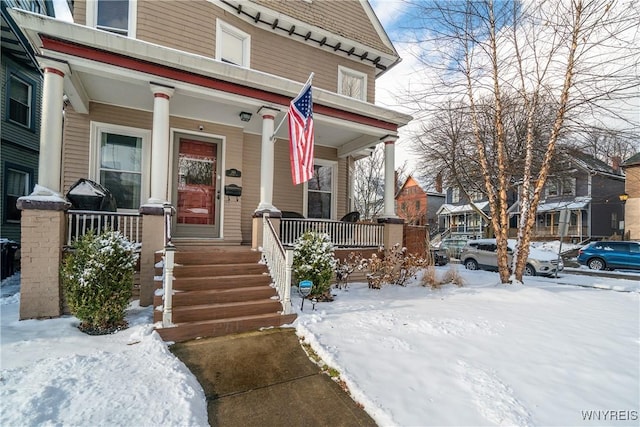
197 170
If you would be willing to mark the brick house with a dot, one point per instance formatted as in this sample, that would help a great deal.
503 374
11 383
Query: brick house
177 102
417 203
631 168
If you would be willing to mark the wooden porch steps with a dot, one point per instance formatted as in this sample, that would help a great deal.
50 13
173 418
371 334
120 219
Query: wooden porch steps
219 291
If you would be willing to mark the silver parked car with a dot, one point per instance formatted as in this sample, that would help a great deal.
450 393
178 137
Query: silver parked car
481 254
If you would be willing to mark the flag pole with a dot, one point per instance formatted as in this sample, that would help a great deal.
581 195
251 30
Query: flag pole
309 80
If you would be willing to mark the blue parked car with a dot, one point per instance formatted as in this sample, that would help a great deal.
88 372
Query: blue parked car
610 255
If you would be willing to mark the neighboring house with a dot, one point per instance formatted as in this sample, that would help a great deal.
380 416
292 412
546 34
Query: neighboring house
417 204
178 101
21 104
465 217
631 197
590 190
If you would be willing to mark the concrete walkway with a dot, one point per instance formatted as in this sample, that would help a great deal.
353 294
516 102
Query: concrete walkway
266 379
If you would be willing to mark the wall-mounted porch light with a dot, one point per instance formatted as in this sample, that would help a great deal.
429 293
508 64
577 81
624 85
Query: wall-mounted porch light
245 116
623 197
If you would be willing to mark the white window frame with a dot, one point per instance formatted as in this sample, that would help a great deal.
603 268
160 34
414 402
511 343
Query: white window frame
223 27
455 195
344 71
27 176
92 16
334 188
12 77
97 129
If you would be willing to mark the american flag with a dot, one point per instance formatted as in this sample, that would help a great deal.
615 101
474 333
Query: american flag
301 136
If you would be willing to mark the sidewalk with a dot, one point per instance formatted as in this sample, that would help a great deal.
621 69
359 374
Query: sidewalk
266 379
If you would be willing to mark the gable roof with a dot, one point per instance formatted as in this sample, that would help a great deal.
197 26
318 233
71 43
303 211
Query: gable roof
422 182
631 161
589 162
348 28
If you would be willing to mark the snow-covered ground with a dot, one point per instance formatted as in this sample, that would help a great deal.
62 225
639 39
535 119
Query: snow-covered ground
484 354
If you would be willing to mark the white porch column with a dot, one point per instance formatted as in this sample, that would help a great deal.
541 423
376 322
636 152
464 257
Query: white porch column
266 161
160 144
49 166
389 177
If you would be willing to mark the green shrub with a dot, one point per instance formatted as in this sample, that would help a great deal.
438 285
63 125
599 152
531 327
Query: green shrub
97 278
313 260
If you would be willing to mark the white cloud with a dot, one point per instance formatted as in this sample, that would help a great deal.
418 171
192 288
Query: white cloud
389 11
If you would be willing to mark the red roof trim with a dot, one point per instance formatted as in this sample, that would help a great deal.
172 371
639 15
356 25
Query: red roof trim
127 62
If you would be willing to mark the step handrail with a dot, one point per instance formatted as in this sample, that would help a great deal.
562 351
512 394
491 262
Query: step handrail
279 261
167 270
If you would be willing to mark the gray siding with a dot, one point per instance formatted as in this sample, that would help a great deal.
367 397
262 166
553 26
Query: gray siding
20 145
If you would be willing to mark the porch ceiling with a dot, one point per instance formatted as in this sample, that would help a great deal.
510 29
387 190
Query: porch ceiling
192 102
116 70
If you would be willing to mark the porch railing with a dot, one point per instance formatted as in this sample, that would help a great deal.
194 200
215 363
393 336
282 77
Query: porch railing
279 261
168 256
342 234
79 222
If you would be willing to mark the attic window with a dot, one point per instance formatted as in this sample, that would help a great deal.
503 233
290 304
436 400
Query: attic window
233 46
352 83
115 16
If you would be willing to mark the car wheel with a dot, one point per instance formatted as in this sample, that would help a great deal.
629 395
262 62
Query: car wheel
529 270
471 264
596 264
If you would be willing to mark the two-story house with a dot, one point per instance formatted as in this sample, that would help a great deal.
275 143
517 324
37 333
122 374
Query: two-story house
181 102
21 104
466 216
20 112
417 203
590 190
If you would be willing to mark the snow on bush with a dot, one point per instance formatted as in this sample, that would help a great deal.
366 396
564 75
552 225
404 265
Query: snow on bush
97 279
313 259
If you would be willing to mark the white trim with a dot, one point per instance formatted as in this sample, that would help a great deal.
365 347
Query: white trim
334 188
224 27
97 128
92 16
344 71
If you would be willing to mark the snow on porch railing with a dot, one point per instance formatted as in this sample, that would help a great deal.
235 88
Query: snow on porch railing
279 262
79 222
342 234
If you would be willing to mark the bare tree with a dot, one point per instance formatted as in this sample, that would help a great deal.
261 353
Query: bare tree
573 56
368 184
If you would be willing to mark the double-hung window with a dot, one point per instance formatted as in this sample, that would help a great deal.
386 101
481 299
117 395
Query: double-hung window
17 184
20 100
232 45
321 189
116 16
121 159
352 83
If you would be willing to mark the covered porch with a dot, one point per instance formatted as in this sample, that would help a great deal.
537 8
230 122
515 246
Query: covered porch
180 129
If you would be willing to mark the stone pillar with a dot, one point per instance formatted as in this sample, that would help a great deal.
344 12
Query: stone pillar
389 178
43 236
160 144
393 233
266 161
152 242
49 166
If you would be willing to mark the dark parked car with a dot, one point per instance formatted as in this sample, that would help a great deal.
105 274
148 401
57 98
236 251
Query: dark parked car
439 256
610 255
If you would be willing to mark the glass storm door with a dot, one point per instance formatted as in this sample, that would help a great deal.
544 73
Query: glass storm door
197 187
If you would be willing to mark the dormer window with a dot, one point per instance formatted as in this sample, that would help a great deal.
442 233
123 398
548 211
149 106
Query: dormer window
232 45
352 83
115 16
